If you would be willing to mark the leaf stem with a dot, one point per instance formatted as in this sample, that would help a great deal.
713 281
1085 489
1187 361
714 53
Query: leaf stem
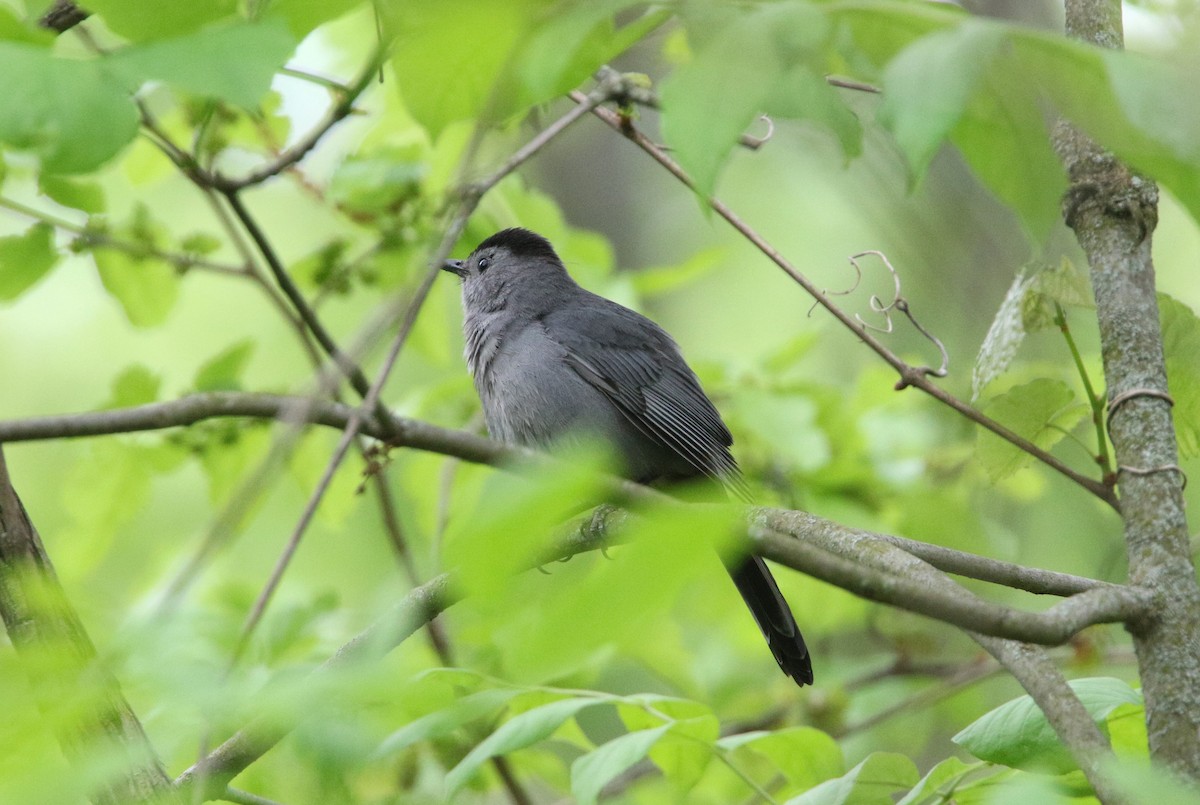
1094 400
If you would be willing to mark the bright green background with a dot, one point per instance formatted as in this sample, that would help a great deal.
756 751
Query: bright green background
816 422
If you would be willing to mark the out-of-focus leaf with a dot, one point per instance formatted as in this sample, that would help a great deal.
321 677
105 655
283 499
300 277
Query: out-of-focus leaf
446 720
687 749
235 63
1041 411
146 288
1181 344
134 20
1141 781
25 259
1004 140
69 112
378 182
591 772
75 193
1125 725
805 755
575 40
928 86
223 372
1017 734
450 58
872 782
304 15
512 525
518 732
136 385
26 30
708 102
1144 110
938 785
663 279
803 94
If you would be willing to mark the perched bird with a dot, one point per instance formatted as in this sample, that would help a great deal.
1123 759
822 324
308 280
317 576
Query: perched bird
552 361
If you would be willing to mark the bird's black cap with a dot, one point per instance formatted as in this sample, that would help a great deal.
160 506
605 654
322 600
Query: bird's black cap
520 242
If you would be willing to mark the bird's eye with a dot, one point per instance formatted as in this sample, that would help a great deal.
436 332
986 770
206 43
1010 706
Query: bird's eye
483 263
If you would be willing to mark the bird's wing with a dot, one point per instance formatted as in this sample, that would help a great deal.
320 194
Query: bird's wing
638 367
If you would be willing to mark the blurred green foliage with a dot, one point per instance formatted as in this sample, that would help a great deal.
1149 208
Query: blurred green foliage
635 678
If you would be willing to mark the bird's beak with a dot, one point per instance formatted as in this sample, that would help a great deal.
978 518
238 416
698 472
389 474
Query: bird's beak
455 267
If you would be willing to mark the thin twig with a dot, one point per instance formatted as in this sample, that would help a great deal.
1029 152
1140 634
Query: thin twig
348 96
90 237
909 375
1095 401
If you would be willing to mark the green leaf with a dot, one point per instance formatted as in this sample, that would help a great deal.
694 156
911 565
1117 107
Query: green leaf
686 751
927 87
1004 337
803 93
379 182
75 193
443 722
805 755
1041 411
1126 729
450 59
569 46
1145 782
69 112
939 784
235 62
1181 345
872 782
200 243
304 15
1017 734
664 279
223 372
146 288
14 29
1003 138
591 772
518 732
133 20
25 259
1144 110
136 385
709 102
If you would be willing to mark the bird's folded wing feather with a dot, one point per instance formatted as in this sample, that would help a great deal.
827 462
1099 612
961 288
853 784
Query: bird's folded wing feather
638 367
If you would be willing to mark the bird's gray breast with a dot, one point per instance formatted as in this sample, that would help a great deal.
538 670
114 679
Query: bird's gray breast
532 396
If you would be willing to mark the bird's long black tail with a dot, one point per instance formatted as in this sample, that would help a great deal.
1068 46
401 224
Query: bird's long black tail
758 588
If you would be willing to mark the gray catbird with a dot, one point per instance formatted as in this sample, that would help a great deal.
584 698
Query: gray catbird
551 359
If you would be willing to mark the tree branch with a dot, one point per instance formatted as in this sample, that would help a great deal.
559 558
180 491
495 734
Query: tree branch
1113 212
39 617
877 570
1048 688
887 569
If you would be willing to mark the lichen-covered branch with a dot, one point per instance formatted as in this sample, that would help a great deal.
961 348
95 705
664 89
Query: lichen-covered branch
1113 212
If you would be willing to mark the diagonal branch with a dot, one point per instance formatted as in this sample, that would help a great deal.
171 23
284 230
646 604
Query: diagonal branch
1045 684
914 376
39 617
